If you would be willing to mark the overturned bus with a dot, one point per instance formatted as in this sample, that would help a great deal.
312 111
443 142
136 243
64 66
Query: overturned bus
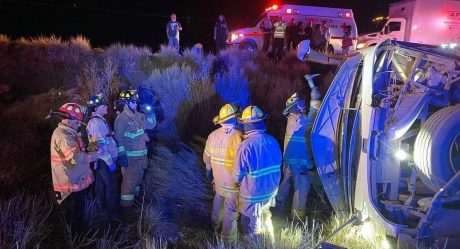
386 142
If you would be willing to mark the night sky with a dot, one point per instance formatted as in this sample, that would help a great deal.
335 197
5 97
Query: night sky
142 22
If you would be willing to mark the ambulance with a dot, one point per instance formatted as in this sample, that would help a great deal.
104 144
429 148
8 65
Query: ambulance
251 38
433 22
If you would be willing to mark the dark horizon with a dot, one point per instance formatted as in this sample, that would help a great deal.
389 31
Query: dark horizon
141 22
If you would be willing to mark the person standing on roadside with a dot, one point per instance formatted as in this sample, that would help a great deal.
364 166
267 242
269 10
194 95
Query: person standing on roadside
220 33
173 28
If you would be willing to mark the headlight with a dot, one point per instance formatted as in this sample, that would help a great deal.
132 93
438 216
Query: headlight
234 37
360 45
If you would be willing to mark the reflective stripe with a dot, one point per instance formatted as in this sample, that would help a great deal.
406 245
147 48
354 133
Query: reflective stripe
106 158
296 161
101 141
127 197
258 198
134 134
221 161
206 151
265 171
71 187
228 189
136 153
121 149
298 139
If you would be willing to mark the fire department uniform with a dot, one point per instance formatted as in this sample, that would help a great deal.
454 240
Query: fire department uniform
279 34
71 173
131 139
99 133
257 172
218 156
296 161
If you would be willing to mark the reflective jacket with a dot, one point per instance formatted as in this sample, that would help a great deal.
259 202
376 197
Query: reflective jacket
219 155
98 132
279 30
130 132
258 167
296 155
69 163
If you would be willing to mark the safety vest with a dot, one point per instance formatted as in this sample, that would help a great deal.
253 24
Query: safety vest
258 167
219 155
280 30
130 132
69 163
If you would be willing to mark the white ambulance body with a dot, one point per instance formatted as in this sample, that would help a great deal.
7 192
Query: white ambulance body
337 19
433 22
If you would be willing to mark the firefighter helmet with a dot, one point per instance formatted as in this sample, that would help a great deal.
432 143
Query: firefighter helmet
72 111
129 95
95 101
226 113
252 114
294 105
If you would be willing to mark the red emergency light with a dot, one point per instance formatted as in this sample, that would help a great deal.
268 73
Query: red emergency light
273 7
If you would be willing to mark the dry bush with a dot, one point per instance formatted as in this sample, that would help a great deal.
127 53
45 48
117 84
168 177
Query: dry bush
22 221
178 179
38 64
25 142
172 88
128 59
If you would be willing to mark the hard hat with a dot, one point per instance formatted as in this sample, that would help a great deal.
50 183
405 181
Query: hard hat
95 101
72 111
129 95
294 104
252 114
226 113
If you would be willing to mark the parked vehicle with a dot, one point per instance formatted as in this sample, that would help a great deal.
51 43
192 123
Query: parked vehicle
434 22
252 37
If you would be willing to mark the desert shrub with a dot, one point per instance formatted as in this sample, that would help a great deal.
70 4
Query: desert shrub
20 227
173 88
38 64
98 75
25 142
127 59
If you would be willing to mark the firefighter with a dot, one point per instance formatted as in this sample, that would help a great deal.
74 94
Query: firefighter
279 34
220 33
130 126
219 156
99 133
257 173
296 160
266 28
70 168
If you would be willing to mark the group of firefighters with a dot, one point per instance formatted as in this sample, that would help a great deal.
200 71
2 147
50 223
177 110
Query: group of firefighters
243 162
75 165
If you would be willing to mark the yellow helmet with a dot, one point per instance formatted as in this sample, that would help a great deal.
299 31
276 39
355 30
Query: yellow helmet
252 114
226 113
293 104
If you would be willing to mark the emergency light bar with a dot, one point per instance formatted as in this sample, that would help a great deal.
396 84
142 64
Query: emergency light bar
273 7
345 14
